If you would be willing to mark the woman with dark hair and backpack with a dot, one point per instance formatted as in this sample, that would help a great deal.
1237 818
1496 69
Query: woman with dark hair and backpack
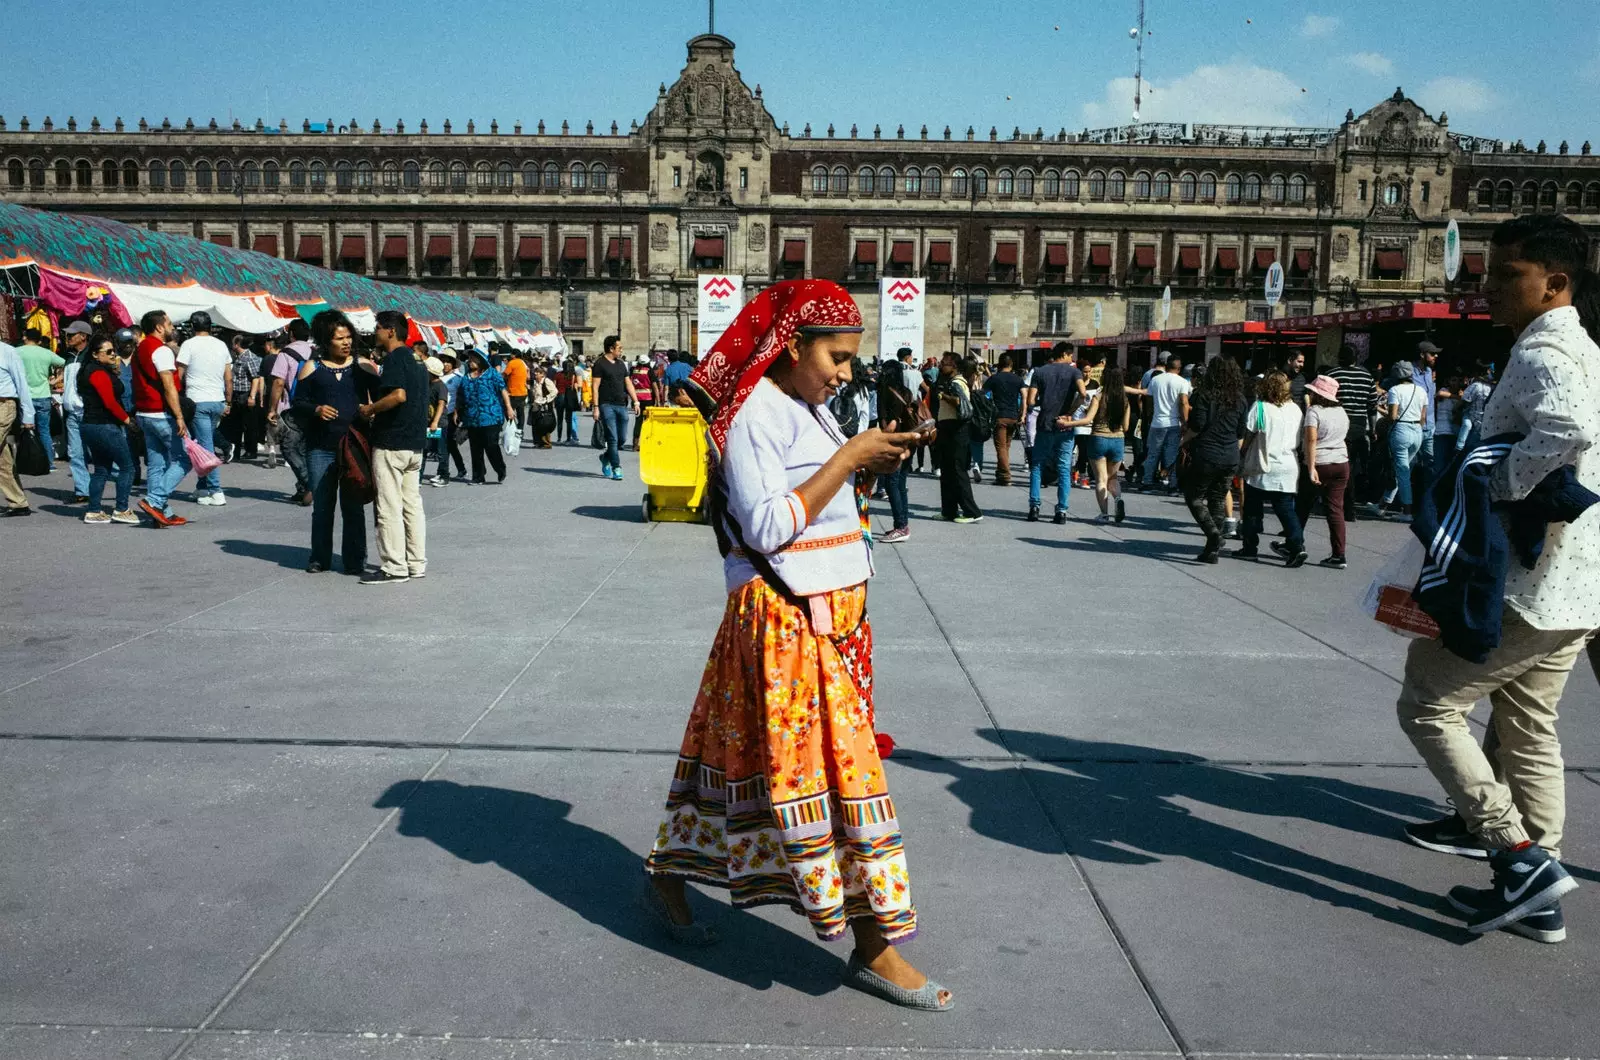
331 387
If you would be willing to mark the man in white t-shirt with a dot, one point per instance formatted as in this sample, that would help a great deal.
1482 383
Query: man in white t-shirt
208 382
1169 409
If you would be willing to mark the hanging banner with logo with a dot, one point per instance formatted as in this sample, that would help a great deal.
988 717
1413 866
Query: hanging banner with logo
900 312
721 298
1452 250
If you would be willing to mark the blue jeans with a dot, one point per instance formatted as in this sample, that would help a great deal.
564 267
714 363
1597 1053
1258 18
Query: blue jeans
207 417
80 468
899 502
572 426
1161 450
614 425
1254 524
321 468
41 421
975 451
107 444
1055 446
1405 442
165 462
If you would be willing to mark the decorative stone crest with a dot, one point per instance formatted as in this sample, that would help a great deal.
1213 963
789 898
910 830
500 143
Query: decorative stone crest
758 237
1341 247
659 239
1436 248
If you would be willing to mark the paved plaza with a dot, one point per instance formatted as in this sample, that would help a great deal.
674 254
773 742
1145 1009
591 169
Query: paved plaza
1151 807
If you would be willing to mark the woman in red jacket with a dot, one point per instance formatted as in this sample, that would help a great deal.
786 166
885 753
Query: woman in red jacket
104 431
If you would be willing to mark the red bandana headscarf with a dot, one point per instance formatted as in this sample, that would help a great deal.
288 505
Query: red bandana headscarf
730 371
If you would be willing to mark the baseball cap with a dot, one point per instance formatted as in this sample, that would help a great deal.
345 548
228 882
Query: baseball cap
78 327
1427 347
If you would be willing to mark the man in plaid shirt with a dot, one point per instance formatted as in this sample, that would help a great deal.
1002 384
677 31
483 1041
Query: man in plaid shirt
243 426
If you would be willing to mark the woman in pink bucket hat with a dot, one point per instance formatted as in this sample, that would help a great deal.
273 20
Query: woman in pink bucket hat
1326 426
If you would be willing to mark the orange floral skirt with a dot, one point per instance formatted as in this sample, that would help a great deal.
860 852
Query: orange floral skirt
779 793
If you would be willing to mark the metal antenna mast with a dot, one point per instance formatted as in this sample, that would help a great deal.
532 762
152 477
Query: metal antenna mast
1138 69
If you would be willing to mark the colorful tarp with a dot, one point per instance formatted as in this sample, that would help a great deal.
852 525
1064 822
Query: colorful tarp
97 248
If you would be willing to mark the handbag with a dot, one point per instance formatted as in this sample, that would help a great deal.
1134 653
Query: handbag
1255 457
31 457
596 437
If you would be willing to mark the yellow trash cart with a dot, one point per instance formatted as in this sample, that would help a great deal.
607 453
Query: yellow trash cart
672 465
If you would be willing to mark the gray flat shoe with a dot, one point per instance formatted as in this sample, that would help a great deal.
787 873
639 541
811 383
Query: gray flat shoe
695 934
866 980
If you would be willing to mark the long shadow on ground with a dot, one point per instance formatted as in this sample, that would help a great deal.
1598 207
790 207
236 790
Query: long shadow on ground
596 877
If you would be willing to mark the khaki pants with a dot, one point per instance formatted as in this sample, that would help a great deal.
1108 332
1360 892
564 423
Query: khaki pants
1513 788
10 422
1004 431
402 527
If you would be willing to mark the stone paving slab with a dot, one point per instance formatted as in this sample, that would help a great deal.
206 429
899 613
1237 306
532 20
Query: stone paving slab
87 1043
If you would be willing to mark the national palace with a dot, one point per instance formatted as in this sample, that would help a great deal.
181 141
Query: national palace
1020 234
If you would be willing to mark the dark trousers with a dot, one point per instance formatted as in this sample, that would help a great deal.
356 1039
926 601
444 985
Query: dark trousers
243 427
1360 489
453 443
486 440
1335 482
519 409
1205 491
326 496
1255 505
899 502
951 455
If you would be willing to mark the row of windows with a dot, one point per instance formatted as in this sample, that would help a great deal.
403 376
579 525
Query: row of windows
1533 195
1114 186
577 176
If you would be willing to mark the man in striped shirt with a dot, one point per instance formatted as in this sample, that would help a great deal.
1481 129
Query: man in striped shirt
1358 393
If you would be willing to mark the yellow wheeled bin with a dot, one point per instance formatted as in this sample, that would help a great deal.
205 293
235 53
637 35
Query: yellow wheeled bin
672 465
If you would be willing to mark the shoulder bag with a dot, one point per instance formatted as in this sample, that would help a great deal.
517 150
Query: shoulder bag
1255 456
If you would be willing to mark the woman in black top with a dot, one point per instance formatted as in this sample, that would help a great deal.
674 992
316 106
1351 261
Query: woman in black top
331 387
1211 440
104 430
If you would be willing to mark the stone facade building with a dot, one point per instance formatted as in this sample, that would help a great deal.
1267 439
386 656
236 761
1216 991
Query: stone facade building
1019 234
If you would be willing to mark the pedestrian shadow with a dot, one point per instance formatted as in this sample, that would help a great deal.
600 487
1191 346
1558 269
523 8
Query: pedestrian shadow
291 556
596 877
563 472
1128 805
612 513
1108 547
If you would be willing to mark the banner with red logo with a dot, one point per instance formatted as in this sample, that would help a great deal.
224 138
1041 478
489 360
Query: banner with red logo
900 309
721 298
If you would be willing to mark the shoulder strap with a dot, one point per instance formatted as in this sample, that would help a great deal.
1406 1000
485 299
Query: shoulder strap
724 524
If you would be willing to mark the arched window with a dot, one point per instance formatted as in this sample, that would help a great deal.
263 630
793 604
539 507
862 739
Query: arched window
1141 185
1162 191
913 181
504 176
225 175
63 173
1278 188
458 176
1070 185
269 173
83 172
15 175
865 179
1530 195
599 177
1005 183
1234 188
1252 188
980 182
932 181
1052 184
1574 196
1502 195
1116 186
178 176
1393 194
202 175
552 176
1591 197
958 182
1547 195
1097 186
1485 193
391 175
819 180
158 174
530 176
886 181
36 173
1188 188
578 177
108 173
1025 183
839 181
252 174
319 174
1297 188
364 175
411 175
485 175
297 174
130 174
1208 187
344 175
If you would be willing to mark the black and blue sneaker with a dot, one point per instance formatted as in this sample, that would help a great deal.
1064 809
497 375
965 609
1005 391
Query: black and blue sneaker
1449 835
1525 881
1546 925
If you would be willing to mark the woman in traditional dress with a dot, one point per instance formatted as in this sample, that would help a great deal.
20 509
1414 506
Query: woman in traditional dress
779 793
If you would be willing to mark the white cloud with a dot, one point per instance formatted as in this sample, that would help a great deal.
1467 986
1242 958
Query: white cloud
1371 62
1318 25
1235 93
1464 95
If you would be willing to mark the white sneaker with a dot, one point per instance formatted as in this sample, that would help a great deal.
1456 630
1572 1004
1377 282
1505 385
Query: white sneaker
219 499
204 498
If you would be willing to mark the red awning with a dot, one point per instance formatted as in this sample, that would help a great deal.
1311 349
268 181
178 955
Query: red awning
903 252
1005 253
866 252
438 246
222 239
310 248
353 247
1055 255
1227 258
939 252
265 245
1390 260
622 253
1265 256
1189 258
1472 263
794 252
1100 256
576 248
1144 257
530 248
1302 261
394 248
484 248
708 247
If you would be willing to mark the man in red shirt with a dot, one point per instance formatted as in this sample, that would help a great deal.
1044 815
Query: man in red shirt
156 377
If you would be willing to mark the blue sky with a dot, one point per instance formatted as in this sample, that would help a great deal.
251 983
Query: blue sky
1066 63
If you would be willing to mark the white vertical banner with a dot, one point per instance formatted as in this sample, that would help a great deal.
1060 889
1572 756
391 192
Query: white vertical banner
900 313
721 298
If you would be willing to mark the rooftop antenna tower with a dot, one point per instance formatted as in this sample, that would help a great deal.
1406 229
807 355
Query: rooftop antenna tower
1137 33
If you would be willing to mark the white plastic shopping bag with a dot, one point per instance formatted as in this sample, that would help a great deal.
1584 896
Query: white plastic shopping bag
510 439
1389 598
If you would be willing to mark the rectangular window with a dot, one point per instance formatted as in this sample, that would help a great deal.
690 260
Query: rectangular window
577 347
744 178
1261 312
977 313
1052 318
677 176
1140 316
1361 191
1200 316
1427 189
577 311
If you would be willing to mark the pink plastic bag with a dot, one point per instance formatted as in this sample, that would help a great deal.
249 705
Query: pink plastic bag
202 459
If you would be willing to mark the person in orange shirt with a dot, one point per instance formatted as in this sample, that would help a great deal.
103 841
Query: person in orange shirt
515 371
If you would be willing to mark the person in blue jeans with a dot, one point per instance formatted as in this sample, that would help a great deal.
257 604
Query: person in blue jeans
104 419
165 461
206 426
1168 392
331 388
614 399
1055 390
1406 407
